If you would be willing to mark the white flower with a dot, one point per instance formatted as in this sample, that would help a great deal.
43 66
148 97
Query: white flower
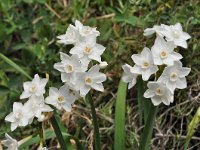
103 64
34 87
69 65
129 76
175 34
10 143
62 98
87 51
163 52
158 93
70 37
174 76
84 81
86 31
156 29
19 117
36 106
144 64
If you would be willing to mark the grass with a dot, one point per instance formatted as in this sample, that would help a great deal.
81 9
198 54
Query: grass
28 30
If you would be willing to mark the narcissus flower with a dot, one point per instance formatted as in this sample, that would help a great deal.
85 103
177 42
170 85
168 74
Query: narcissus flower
70 37
62 98
84 81
10 143
163 52
86 31
88 51
144 64
175 34
158 93
19 117
129 75
35 87
69 65
36 106
174 76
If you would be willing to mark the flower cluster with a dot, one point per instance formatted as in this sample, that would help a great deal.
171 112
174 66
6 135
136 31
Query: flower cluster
77 74
23 114
161 55
74 70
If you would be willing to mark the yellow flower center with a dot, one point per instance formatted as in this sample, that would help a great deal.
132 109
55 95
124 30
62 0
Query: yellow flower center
163 54
88 80
33 89
69 68
173 76
145 64
60 99
88 50
159 92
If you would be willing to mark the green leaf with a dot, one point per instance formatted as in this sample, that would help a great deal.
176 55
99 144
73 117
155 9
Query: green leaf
58 133
132 20
14 65
95 122
119 141
3 90
64 130
148 129
192 127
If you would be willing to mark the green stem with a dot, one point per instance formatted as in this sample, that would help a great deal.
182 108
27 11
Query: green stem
140 99
58 133
41 135
95 122
148 129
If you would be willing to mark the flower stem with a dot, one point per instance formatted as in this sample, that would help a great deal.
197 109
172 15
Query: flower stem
41 135
95 122
58 133
148 129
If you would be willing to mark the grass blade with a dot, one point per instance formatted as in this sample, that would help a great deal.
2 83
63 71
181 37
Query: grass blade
95 122
14 65
148 129
191 128
119 141
58 133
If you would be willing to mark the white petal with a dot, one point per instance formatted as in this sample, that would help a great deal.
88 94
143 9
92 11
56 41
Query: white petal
25 94
13 126
149 93
181 83
137 59
17 106
84 90
165 101
67 107
156 100
186 36
59 67
10 117
65 77
98 87
181 42
184 72
145 75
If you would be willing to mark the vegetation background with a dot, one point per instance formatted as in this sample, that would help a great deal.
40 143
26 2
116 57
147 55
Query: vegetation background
28 30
